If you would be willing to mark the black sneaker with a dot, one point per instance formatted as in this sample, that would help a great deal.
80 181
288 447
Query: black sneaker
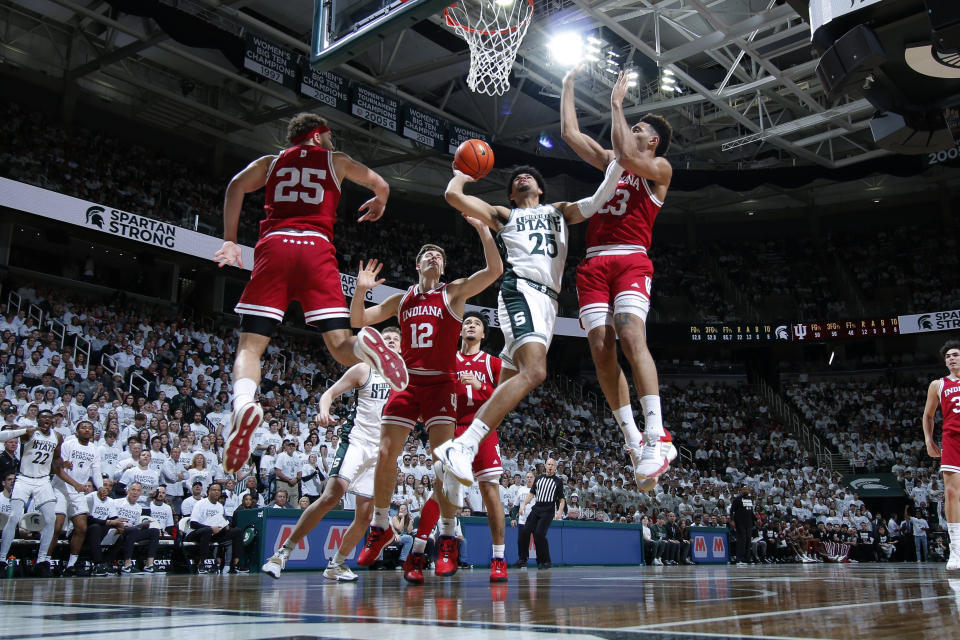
129 569
243 569
70 572
233 570
42 569
151 569
100 570
202 569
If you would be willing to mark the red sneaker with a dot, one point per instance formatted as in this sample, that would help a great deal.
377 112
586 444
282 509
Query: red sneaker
498 570
447 556
375 352
413 568
244 422
377 539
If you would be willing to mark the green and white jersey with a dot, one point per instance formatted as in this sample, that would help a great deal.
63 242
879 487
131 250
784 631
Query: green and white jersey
536 241
363 424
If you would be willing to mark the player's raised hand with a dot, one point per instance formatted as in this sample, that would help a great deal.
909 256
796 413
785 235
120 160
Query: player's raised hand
460 174
619 89
373 209
571 76
367 276
229 254
479 225
933 450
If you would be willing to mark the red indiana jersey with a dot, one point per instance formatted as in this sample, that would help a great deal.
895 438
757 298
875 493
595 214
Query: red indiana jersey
430 331
302 191
950 404
625 223
487 370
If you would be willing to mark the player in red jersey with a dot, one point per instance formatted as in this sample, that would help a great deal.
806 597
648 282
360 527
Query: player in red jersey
478 374
430 317
614 279
295 259
945 393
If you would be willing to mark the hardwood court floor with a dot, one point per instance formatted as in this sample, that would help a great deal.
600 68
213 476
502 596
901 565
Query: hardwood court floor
898 601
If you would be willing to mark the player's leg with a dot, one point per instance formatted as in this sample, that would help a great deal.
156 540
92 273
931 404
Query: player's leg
17 509
337 569
76 541
393 433
441 507
48 511
490 492
367 346
950 467
247 412
307 522
58 522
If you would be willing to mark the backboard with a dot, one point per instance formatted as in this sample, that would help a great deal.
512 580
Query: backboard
342 29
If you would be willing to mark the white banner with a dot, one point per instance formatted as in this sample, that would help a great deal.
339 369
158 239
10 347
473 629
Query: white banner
930 322
97 217
823 11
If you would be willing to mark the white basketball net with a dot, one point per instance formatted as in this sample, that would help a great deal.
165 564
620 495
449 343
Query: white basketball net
493 30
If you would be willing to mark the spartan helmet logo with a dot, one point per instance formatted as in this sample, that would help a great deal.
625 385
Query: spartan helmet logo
924 323
783 333
95 216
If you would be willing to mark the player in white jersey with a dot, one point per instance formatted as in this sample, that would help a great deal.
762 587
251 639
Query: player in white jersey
353 467
80 462
40 449
535 236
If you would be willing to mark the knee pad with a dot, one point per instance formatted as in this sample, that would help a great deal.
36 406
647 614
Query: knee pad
595 315
633 303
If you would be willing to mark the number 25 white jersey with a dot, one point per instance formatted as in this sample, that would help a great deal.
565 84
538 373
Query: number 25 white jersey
536 241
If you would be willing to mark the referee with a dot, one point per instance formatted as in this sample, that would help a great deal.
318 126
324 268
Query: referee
548 493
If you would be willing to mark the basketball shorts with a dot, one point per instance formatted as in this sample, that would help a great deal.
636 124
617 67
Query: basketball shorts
527 312
949 452
70 502
356 462
487 465
431 399
296 265
608 285
40 490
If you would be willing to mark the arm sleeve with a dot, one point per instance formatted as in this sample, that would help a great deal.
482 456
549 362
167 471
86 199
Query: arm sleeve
10 434
590 205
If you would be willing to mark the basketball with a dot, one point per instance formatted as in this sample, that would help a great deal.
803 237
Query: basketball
474 158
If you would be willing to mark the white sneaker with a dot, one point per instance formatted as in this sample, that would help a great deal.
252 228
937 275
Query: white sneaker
657 562
655 459
448 484
457 459
276 563
340 573
953 563
246 419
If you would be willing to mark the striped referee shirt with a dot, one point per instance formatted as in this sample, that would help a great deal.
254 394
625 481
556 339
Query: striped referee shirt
548 490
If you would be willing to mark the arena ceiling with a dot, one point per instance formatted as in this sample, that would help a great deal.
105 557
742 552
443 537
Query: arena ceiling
748 95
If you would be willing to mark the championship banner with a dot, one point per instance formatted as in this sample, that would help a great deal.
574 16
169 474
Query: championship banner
931 322
424 127
456 135
270 60
379 108
327 87
875 485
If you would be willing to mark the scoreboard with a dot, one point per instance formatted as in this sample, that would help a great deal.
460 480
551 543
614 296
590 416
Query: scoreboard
846 329
752 333
799 332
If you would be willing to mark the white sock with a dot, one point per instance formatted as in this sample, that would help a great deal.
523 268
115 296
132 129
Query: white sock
953 528
244 391
624 418
42 557
498 550
448 526
381 517
339 558
474 434
653 420
72 560
419 544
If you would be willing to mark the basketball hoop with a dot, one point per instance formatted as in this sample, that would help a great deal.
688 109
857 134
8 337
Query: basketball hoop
493 30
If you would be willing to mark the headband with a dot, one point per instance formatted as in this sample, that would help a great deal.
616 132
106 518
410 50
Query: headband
301 139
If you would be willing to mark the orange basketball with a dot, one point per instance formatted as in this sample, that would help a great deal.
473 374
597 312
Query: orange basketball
474 158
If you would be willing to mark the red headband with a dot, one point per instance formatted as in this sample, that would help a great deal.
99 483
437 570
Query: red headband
322 129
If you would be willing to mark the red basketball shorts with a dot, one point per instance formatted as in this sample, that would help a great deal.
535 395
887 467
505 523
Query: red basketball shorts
950 452
487 466
431 399
607 285
296 265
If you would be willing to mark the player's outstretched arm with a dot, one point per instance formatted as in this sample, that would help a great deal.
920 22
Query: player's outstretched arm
471 206
929 410
625 145
583 209
253 177
354 377
361 316
364 176
589 150
463 289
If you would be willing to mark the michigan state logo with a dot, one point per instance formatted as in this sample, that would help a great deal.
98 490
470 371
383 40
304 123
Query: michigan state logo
95 216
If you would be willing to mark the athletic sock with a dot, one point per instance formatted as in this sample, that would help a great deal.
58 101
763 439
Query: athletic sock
448 526
72 560
419 544
244 391
474 434
289 545
653 420
381 517
624 418
499 550
339 558
953 528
